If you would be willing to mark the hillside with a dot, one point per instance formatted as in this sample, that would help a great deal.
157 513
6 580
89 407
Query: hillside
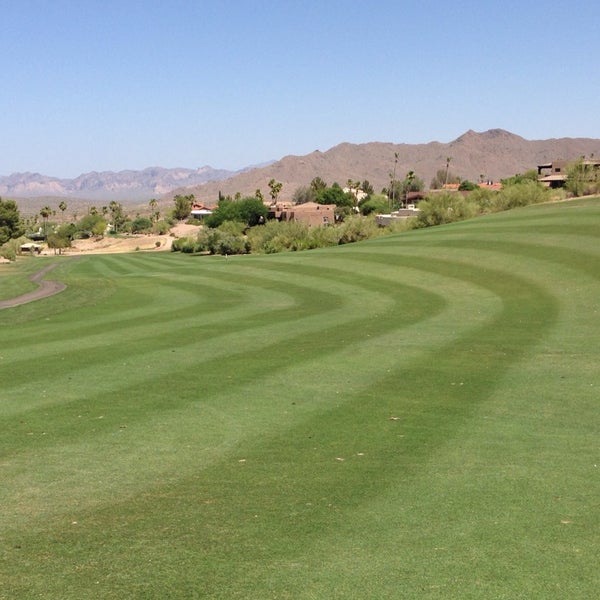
494 154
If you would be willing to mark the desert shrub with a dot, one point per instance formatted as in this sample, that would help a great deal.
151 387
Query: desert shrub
583 178
444 208
356 229
323 237
399 226
161 227
221 241
12 248
6 251
484 199
521 194
276 236
187 245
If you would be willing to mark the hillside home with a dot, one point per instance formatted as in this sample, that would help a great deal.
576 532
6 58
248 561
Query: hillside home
311 213
554 174
199 211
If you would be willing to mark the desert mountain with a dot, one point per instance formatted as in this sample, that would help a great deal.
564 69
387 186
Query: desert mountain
108 185
493 154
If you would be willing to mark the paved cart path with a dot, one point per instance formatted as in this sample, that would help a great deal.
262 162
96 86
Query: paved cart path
45 289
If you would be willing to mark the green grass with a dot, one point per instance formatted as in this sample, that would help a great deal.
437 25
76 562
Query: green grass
411 417
14 277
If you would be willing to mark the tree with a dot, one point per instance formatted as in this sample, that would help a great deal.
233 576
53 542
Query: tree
304 194
117 215
183 206
250 211
155 215
467 186
393 187
275 189
62 206
317 185
441 178
367 188
91 225
258 195
57 242
375 203
45 212
11 225
448 159
408 182
141 224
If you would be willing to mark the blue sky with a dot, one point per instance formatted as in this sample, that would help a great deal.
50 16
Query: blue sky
112 85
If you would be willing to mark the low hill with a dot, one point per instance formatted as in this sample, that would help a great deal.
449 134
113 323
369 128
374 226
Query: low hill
493 154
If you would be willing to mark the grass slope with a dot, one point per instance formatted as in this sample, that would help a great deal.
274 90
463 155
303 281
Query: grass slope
411 417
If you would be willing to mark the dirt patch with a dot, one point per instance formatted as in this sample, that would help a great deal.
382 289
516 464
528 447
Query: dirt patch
130 243
45 289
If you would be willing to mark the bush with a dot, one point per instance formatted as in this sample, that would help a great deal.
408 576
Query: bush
141 225
438 209
276 236
467 186
521 194
161 228
356 229
185 244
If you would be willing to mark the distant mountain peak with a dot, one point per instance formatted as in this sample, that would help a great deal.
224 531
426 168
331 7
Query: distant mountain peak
491 135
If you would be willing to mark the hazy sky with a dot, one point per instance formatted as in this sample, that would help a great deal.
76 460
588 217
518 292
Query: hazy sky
122 84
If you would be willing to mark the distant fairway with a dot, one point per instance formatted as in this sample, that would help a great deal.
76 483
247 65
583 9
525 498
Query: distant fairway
412 417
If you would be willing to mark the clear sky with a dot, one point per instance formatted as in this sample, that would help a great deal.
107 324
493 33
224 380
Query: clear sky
123 84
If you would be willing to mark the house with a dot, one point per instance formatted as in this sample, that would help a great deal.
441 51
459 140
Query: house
400 214
199 211
311 213
31 248
555 174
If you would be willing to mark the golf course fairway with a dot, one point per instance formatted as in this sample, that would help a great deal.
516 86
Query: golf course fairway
416 416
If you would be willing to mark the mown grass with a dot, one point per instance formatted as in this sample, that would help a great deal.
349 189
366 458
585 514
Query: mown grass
411 417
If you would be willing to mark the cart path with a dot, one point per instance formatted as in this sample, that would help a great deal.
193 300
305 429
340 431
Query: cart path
45 289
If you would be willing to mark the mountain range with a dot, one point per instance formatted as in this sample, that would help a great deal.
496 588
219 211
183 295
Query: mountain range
129 185
492 154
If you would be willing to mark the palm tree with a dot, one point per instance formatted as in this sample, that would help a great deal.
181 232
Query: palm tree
62 206
410 177
45 212
393 196
448 159
153 204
